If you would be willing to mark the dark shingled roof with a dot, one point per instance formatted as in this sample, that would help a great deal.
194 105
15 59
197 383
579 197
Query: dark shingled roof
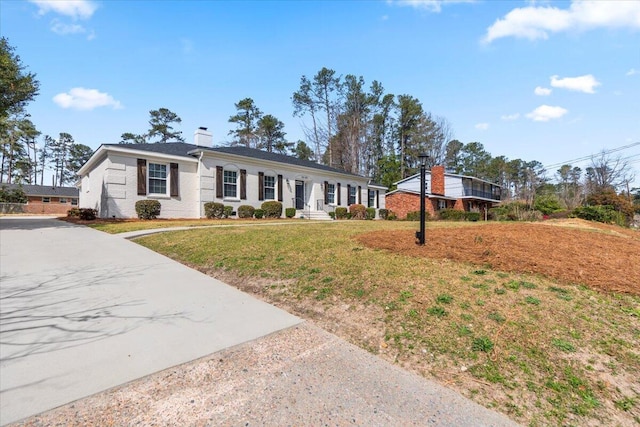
183 149
44 190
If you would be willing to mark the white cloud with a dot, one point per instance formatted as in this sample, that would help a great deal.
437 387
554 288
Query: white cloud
632 72
82 9
482 126
430 5
542 91
510 117
544 113
80 98
537 22
585 83
63 29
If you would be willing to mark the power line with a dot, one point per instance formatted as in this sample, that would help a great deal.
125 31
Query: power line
589 157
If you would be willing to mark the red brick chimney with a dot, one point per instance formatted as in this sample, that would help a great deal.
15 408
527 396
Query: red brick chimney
437 180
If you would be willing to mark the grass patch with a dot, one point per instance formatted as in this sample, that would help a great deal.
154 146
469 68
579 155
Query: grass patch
435 316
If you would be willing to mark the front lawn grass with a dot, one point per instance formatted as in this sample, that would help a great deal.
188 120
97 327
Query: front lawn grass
542 352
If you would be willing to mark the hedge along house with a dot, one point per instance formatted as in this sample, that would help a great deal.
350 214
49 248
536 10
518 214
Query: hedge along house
443 191
183 177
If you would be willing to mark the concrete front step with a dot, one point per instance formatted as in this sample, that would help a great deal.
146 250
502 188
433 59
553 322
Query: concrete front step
314 215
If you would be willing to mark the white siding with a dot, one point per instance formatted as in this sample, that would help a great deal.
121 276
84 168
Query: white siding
413 183
453 186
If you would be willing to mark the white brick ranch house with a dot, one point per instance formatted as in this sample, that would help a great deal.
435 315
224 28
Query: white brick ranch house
183 177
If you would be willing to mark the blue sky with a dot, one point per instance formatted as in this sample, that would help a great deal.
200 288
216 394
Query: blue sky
537 80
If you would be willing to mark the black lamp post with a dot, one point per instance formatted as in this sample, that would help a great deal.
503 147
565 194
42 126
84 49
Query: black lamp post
423 168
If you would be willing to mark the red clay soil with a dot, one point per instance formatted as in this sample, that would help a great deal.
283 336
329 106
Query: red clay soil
602 257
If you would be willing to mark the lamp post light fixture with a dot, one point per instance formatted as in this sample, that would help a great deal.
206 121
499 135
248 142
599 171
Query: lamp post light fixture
420 235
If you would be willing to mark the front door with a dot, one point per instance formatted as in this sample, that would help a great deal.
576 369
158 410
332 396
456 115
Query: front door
299 195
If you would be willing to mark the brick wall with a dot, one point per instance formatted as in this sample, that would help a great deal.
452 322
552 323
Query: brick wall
437 180
402 203
54 207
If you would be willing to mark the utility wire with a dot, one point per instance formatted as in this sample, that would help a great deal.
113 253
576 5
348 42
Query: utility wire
589 157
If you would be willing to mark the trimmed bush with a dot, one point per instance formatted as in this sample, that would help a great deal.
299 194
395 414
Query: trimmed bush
272 209
246 211
88 214
332 215
290 212
341 213
452 215
358 211
213 210
146 209
371 213
258 213
383 213
227 211
413 216
73 213
472 216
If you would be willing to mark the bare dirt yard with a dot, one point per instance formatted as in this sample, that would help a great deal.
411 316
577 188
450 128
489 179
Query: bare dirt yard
606 258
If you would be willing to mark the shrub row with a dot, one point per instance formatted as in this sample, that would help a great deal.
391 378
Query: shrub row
271 209
456 215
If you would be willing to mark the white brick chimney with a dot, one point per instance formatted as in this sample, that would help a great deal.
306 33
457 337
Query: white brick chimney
203 138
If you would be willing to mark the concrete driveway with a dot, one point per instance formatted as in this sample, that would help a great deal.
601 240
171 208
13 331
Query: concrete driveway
82 311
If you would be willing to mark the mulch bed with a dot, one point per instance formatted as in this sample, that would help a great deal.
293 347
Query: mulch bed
599 259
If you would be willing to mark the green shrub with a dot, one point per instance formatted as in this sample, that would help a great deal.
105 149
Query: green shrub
17 195
272 209
258 213
452 215
246 211
227 211
358 211
472 216
290 212
341 213
383 213
413 216
547 204
88 214
213 210
371 213
147 209
515 211
73 213
605 214
332 215
392 216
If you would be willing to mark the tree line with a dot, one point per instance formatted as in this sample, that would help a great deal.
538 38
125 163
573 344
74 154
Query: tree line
22 159
348 124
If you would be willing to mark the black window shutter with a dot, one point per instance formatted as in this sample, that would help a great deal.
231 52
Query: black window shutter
243 184
377 198
260 185
359 196
175 180
338 191
219 182
142 177
326 192
280 189
348 194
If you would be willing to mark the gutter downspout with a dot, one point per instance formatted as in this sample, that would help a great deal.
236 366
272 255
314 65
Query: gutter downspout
200 184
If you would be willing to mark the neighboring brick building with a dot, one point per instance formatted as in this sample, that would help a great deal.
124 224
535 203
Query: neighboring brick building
47 200
443 191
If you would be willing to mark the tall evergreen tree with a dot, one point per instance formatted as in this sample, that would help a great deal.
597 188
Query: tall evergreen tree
160 125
